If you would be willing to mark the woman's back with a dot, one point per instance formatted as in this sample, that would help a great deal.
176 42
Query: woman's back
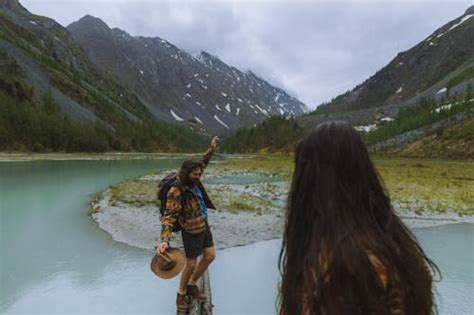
391 290
344 250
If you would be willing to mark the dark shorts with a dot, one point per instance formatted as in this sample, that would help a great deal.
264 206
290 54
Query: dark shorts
194 243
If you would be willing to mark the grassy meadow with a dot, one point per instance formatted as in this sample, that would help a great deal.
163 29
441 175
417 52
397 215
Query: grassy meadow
416 185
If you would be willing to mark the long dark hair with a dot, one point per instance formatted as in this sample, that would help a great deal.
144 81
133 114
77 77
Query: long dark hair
337 211
187 167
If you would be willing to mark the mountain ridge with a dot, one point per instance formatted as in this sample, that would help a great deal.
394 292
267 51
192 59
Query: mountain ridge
411 71
55 99
441 94
181 86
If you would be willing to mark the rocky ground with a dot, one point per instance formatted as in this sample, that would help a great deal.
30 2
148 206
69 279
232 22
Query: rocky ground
251 199
250 209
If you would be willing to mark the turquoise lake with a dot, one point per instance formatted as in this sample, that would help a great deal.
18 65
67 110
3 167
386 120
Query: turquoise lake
55 259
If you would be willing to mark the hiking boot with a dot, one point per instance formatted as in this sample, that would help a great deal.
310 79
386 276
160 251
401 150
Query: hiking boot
182 302
194 291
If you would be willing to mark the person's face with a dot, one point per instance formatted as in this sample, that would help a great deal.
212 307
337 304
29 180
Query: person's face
195 174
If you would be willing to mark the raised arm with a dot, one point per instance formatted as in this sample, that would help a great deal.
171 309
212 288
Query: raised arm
209 152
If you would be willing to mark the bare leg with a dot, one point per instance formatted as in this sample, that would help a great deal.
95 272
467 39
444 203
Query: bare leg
208 255
188 270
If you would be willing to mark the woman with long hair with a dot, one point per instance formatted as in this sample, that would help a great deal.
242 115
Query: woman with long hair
344 250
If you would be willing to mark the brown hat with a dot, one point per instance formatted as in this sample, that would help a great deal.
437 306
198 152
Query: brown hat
168 264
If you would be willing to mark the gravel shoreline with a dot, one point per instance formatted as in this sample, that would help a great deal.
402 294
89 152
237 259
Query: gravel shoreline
139 225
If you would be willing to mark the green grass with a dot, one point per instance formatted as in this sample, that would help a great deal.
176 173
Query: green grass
466 74
411 118
418 185
415 184
453 142
229 198
135 191
239 204
273 164
432 185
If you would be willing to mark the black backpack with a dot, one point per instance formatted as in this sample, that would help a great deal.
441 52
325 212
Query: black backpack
163 188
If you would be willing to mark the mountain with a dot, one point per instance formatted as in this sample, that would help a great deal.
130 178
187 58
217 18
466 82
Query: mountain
427 130
54 98
177 86
421 94
145 94
441 64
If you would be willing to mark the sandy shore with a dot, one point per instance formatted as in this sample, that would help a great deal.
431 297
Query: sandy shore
139 225
430 219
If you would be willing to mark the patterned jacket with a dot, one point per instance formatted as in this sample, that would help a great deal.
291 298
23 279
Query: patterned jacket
183 206
391 290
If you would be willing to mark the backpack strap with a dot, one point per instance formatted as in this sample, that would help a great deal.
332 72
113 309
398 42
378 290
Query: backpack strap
179 185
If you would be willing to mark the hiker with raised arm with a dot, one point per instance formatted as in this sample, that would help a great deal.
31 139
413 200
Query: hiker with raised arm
185 208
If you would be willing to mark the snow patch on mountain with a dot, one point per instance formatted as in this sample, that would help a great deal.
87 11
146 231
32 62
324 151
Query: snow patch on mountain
198 120
368 128
262 110
221 122
176 116
443 90
464 19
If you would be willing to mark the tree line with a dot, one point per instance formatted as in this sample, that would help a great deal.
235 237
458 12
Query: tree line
41 126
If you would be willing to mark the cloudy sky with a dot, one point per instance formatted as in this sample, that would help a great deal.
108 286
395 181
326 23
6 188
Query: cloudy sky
313 49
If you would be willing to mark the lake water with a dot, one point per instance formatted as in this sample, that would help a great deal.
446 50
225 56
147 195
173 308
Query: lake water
54 258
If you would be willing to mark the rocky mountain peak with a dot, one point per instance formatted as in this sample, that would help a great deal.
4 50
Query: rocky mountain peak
92 23
209 59
14 8
12 4
201 91
469 10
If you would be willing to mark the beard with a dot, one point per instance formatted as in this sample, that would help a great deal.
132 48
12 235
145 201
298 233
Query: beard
186 171
189 181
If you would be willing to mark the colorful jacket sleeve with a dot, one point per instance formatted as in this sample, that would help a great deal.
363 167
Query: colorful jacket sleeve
392 289
207 156
171 213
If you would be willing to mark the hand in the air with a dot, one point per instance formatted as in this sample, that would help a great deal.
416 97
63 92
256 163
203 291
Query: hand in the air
214 142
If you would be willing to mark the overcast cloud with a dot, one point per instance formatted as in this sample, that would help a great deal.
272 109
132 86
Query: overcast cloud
313 49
